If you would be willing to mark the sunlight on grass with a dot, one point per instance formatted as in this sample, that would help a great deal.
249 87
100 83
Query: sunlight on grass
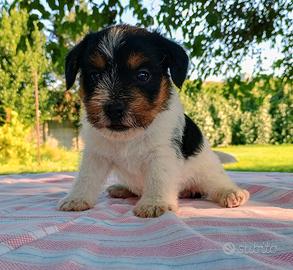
270 158
52 160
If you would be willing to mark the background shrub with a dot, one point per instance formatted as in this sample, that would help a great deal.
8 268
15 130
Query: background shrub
14 143
241 112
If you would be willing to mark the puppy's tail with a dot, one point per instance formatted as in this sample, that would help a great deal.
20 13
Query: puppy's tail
225 158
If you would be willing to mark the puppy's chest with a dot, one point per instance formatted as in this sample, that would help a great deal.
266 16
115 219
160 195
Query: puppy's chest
132 157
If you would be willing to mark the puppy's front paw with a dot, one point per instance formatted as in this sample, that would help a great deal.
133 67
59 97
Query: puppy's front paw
233 198
74 204
157 209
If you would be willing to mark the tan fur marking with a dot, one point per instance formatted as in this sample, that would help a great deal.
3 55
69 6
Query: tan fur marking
81 92
98 61
145 111
135 60
94 109
81 88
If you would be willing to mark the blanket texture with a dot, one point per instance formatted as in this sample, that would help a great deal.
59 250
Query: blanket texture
34 235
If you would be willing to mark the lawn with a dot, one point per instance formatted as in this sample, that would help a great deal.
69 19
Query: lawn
265 158
269 158
52 160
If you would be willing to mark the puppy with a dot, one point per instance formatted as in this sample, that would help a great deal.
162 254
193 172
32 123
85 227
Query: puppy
134 125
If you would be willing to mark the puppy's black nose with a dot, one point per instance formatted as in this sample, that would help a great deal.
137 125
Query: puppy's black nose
115 110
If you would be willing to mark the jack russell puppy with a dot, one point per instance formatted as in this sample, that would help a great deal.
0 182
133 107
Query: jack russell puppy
134 125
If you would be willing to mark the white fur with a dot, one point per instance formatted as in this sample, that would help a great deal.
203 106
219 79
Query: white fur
146 164
111 41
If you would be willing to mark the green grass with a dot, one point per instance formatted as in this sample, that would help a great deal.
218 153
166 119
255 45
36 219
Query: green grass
265 158
269 158
52 160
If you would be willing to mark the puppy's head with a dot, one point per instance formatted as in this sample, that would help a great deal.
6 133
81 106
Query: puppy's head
125 76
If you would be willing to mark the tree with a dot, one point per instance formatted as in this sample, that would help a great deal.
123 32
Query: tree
221 33
38 65
15 92
22 54
218 34
23 64
67 21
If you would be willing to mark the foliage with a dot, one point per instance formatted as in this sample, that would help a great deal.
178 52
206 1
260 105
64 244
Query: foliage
62 106
258 110
67 21
261 112
14 143
19 57
18 152
219 34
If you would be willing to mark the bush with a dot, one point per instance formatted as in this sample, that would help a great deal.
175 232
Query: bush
14 143
240 112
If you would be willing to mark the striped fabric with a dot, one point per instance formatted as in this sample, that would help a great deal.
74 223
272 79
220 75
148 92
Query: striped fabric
34 235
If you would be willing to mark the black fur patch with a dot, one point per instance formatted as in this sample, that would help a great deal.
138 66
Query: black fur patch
161 53
191 142
176 142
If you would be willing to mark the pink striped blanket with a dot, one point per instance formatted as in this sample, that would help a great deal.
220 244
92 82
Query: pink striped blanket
34 235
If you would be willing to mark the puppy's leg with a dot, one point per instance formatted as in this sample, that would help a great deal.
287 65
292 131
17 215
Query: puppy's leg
160 188
120 191
93 173
219 188
212 180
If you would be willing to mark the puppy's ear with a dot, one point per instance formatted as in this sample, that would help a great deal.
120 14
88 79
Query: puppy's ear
176 60
73 61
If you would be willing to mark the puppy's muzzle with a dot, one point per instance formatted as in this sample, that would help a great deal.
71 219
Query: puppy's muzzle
115 112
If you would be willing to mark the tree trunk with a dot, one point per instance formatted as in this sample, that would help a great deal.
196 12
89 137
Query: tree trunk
36 88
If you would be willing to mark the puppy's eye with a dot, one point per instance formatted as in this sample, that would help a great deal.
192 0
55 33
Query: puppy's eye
95 75
143 75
